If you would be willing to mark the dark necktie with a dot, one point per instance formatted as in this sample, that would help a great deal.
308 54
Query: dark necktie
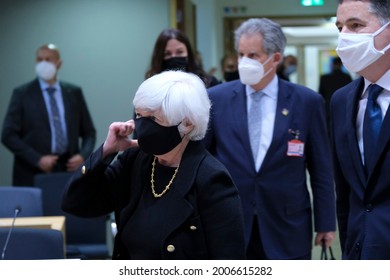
60 141
371 125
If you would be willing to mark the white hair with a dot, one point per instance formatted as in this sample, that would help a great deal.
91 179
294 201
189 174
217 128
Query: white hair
178 96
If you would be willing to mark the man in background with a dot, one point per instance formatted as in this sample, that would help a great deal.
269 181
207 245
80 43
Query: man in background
47 126
229 67
332 81
269 132
288 66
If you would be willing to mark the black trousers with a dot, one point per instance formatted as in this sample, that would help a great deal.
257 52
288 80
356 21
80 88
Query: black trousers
61 163
255 250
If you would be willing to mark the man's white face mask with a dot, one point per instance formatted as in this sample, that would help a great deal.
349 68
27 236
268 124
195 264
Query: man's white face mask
45 70
357 50
251 71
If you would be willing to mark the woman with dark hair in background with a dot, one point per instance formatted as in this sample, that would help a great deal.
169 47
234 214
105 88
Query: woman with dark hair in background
173 51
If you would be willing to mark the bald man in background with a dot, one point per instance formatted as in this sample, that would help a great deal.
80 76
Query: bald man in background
47 126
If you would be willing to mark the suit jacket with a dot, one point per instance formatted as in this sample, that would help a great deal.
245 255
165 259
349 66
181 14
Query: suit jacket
205 221
277 193
26 129
331 82
363 200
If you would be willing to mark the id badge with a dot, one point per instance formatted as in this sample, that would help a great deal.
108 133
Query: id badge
295 148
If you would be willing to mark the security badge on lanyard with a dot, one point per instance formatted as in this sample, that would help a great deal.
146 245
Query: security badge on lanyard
295 146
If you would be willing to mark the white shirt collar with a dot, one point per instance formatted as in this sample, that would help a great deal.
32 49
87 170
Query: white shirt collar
384 82
271 89
44 85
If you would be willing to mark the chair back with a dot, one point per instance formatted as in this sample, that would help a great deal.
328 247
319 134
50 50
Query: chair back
32 244
88 236
28 199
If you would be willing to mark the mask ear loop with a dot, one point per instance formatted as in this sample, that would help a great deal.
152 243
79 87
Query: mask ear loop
380 30
265 62
268 59
376 33
182 129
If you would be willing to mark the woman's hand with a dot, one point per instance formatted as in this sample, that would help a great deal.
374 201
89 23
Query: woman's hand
118 138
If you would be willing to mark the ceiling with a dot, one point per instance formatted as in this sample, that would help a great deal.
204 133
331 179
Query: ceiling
316 33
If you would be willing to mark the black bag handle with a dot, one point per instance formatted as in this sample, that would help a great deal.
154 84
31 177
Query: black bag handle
324 253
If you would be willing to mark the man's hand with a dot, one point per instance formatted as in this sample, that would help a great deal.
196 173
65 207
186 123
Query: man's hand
74 162
47 162
327 236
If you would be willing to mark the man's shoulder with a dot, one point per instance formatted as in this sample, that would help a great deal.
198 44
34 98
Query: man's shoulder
295 88
68 85
35 83
345 92
27 85
226 87
327 76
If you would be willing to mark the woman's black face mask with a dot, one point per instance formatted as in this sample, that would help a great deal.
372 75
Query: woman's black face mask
230 76
175 63
156 139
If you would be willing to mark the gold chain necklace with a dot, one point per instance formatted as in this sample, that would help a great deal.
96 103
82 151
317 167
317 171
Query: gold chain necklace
156 195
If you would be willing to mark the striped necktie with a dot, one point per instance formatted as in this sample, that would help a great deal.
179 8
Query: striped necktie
60 142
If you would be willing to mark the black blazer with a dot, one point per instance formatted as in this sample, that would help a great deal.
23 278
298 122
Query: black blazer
26 129
205 223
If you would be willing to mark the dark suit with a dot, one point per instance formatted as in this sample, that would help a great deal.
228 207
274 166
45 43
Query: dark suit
202 216
331 82
27 134
278 192
363 201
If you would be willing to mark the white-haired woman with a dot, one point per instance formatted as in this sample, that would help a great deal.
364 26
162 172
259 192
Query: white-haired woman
171 198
